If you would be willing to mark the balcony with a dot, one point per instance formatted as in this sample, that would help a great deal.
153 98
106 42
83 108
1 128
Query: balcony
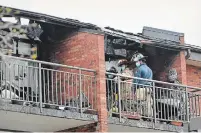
159 106
55 97
46 92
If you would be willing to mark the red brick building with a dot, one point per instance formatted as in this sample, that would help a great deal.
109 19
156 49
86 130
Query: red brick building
87 48
83 45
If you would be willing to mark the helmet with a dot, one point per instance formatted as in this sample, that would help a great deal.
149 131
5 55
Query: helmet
112 70
172 75
136 57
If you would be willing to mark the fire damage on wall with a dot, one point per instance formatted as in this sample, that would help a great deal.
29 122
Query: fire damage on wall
161 50
30 37
159 56
33 36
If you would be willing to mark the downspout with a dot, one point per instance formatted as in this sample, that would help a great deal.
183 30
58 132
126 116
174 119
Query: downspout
188 54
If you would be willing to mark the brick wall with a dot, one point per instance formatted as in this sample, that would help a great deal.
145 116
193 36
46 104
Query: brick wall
193 74
84 128
160 66
178 62
180 65
84 49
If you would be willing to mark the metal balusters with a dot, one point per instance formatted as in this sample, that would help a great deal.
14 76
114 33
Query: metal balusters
91 89
77 92
199 102
88 89
119 97
52 79
80 90
43 82
56 87
2 76
64 88
48 87
187 105
40 88
169 107
68 85
60 92
154 105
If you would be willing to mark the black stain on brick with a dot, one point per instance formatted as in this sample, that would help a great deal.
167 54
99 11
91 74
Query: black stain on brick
195 72
85 128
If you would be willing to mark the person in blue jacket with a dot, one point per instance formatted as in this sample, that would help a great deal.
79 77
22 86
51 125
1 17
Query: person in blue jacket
142 71
141 88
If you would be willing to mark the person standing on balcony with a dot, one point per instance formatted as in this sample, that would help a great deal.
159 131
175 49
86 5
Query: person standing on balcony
126 85
141 88
143 71
177 93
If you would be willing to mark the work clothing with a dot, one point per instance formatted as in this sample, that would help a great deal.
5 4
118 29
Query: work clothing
142 90
126 86
141 102
145 72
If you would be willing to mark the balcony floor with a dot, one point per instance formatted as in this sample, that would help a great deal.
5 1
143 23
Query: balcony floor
24 118
35 123
121 128
140 125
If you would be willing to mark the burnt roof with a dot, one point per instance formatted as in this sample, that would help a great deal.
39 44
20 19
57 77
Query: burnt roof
157 41
51 19
150 40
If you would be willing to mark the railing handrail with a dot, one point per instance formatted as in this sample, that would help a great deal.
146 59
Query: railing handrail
49 63
165 104
156 81
68 89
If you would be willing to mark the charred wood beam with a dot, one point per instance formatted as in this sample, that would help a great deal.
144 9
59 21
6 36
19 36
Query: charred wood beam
123 43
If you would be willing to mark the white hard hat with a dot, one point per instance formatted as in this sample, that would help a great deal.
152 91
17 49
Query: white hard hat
136 57
172 74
